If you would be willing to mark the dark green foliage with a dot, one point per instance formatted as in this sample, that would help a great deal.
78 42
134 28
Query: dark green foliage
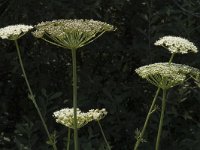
106 74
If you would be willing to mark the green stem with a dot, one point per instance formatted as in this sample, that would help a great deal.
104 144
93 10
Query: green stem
32 96
140 137
161 119
75 98
68 138
104 137
171 58
162 110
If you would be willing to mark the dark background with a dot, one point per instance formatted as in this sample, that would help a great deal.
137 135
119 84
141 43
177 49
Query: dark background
106 74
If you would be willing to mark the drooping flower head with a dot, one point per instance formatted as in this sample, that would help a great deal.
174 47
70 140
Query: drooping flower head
71 34
98 114
176 44
14 32
165 75
66 117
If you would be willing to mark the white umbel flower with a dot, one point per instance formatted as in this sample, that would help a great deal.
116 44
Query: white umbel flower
98 114
13 32
176 44
165 75
66 117
72 33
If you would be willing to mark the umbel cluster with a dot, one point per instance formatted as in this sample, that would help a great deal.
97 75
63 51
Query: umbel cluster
76 33
71 35
166 75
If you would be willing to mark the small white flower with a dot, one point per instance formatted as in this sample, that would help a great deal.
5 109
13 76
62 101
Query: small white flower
13 32
176 44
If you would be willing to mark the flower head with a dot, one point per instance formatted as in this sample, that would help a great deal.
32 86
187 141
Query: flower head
71 34
98 114
66 117
14 32
176 44
165 75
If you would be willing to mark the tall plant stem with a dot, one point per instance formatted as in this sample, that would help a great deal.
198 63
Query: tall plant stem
104 137
161 119
139 139
68 138
31 96
75 98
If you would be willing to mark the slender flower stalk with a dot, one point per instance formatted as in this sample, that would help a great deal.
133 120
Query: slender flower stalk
97 116
151 110
161 118
171 58
32 97
68 138
104 137
13 33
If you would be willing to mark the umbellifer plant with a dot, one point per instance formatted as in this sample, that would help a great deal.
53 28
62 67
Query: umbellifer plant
71 35
165 76
13 33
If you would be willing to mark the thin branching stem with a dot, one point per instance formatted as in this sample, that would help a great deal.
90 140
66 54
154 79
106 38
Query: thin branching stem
140 137
32 97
